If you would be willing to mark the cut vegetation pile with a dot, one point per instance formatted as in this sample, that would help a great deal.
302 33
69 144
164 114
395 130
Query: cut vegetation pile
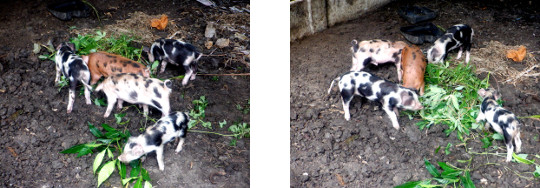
493 59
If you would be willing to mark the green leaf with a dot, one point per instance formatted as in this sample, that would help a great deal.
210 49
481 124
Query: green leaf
138 183
145 175
537 172
135 170
99 102
109 153
43 57
431 169
84 151
233 142
108 128
223 123
437 150
98 160
498 136
104 140
122 171
411 184
74 149
522 158
147 184
94 130
105 172
466 180
119 117
447 149
486 141
127 180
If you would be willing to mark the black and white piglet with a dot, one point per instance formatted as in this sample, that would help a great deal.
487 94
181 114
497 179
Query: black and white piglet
391 95
500 119
456 36
74 69
136 89
175 52
165 130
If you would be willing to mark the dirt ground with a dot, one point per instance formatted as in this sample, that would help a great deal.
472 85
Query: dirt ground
35 127
327 151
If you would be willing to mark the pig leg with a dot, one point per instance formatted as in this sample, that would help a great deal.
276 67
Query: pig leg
518 142
159 156
391 114
346 98
163 65
188 75
399 71
145 109
179 147
459 53
509 146
110 100
119 104
72 86
57 75
87 95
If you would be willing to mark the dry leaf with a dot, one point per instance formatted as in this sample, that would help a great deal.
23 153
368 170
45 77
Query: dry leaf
161 23
517 55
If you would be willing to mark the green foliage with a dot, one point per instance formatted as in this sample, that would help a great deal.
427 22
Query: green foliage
243 108
239 130
62 83
105 144
451 98
118 118
449 176
100 102
197 114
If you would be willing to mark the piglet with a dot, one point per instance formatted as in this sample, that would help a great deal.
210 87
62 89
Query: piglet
414 64
165 130
74 69
136 89
501 120
106 64
376 52
177 53
391 95
456 36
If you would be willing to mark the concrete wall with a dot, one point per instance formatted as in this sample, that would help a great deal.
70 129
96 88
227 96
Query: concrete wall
311 16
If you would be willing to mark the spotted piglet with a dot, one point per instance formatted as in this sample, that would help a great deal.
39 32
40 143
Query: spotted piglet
177 53
74 69
136 89
376 52
501 120
106 64
391 95
165 130
456 36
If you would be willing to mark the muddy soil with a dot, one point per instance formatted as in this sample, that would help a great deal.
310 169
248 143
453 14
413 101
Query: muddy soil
327 151
35 127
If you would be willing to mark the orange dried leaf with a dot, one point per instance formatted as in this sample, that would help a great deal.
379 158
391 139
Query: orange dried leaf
161 23
517 55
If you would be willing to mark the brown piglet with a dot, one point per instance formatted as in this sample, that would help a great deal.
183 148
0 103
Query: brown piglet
413 64
107 64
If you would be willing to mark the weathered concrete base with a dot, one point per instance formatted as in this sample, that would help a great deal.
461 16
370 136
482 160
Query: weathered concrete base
311 16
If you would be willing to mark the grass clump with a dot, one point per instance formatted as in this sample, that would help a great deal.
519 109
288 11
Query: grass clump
451 98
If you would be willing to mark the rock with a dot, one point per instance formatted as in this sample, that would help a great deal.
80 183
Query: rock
222 43
210 30
57 164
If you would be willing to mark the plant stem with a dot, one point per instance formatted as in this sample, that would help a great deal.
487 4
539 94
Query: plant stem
199 131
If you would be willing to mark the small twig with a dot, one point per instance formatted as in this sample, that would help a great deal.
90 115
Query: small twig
199 131
240 74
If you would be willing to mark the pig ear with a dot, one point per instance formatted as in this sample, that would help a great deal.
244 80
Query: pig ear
72 46
354 42
168 83
138 150
482 92
406 98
